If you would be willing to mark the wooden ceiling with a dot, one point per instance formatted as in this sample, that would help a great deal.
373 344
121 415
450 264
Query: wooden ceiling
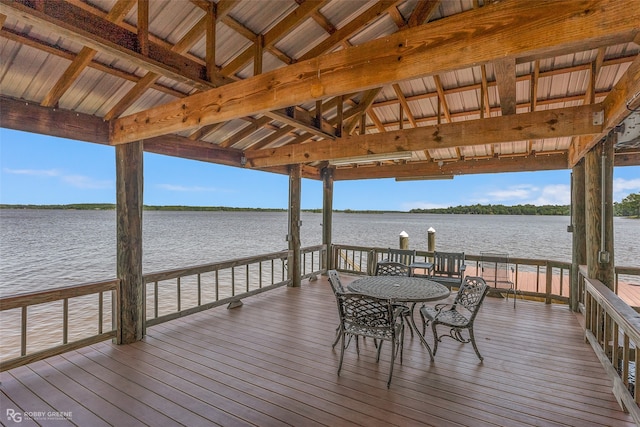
407 88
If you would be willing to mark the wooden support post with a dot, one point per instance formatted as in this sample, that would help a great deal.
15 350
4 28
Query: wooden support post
599 211
129 184
327 214
295 178
578 230
431 239
404 240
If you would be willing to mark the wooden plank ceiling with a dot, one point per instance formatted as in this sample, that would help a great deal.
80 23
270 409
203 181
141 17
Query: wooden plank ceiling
405 88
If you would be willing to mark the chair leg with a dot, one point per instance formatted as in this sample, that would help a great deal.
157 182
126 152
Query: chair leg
393 358
342 346
473 342
435 338
380 349
338 335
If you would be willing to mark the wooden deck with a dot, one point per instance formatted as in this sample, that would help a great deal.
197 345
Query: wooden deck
270 363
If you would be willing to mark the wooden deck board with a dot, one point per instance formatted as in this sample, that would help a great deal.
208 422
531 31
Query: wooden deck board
270 362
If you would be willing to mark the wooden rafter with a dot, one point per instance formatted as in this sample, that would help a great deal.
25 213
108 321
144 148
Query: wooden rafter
620 102
116 15
405 105
99 34
505 70
395 58
423 11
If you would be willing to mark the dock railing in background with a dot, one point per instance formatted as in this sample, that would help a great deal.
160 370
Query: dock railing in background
612 328
530 275
76 305
180 292
31 328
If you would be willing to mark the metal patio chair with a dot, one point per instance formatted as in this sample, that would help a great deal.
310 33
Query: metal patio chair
495 269
457 316
392 268
336 285
366 316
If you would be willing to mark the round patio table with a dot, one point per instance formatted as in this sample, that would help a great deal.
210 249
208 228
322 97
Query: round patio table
402 289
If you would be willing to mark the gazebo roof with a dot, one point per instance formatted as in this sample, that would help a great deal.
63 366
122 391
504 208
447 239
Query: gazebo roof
373 88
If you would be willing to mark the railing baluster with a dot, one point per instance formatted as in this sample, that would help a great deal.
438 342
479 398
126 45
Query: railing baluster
23 332
217 285
65 320
199 291
247 277
233 281
100 309
260 274
179 294
155 299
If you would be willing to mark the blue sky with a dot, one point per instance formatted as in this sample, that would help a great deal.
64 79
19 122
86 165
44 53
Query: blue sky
38 169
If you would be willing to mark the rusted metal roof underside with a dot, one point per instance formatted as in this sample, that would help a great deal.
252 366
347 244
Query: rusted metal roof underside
369 88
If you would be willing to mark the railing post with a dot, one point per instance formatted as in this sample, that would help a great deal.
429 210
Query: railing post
404 240
431 239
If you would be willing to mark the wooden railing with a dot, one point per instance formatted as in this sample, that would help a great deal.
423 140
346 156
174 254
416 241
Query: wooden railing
529 275
24 308
613 330
29 320
206 286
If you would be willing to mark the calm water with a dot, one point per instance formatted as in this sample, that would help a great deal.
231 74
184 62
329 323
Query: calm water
44 249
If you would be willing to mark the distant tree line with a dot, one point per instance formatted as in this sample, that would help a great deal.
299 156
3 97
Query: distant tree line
629 206
500 210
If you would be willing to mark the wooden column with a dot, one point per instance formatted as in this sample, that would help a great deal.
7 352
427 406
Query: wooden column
327 215
599 211
295 181
578 228
129 182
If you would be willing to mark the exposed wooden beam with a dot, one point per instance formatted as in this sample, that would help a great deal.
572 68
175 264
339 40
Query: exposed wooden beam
31 117
60 52
509 29
116 15
178 146
405 105
349 29
516 127
189 39
460 167
210 41
143 27
97 33
352 116
505 70
272 36
533 86
442 99
423 11
621 101
303 121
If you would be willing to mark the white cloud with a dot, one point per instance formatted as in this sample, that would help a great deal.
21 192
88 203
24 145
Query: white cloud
32 172
558 194
80 181
621 185
519 192
183 188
